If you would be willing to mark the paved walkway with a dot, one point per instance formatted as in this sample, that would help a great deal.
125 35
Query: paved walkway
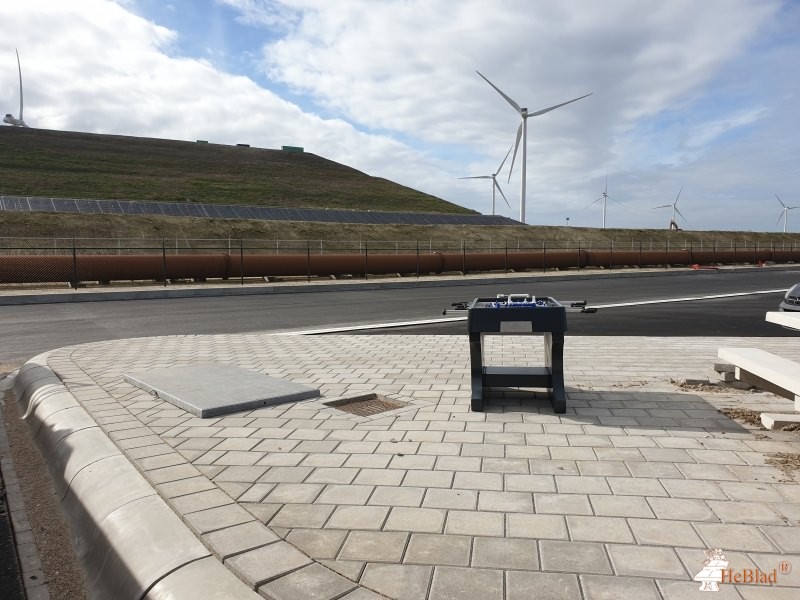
617 498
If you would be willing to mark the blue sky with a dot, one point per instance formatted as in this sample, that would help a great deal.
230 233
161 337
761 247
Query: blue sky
700 95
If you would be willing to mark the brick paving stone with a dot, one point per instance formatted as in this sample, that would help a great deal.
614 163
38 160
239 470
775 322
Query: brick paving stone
594 468
574 557
313 582
646 561
596 587
554 467
660 470
785 538
459 463
748 491
211 519
379 477
659 532
706 472
452 583
562 504
397 496
450 498
401 582
530 483
478 481
375 546
328 475
752 592
505 553
543 527
621 506
474 523
200 501
432 549
524 585
317 543
682 509
702 490
572 453
358 517
598 529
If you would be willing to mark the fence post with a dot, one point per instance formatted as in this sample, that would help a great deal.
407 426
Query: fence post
463 258
241 259
164 259
505 263
544 256
611 256
417 259
308 261
74 265
366 260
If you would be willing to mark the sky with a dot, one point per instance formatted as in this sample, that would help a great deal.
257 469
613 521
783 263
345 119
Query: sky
694 97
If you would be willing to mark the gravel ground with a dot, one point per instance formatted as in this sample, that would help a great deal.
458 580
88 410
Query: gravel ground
62 572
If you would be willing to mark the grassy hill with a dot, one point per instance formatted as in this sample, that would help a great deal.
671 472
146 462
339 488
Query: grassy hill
38 162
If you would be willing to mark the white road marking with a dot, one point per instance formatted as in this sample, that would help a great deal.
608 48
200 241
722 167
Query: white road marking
395 324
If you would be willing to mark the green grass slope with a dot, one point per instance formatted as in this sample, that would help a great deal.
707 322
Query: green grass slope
37 162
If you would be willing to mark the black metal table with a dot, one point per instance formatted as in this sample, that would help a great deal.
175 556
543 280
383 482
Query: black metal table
518 314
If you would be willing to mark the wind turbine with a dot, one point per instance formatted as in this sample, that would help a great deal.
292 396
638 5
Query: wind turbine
784 213
493 177
522 133
674 205
9 118
604 198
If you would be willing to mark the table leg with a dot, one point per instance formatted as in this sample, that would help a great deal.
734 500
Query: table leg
476 370
554 360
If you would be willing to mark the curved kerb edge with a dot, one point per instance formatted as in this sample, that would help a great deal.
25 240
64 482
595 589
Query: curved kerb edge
130 542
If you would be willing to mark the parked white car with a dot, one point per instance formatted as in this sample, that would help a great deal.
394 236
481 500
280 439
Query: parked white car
791 302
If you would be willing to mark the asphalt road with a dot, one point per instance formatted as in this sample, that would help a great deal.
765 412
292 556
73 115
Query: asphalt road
30 329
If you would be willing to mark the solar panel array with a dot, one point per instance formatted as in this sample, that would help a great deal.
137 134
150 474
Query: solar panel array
229 211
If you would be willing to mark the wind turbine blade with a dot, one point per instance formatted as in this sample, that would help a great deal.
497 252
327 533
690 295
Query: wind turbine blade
500 168
499 91
592 203
678 196
19 68
605 191
681 214
781 201
663 206
783 214
497 185
548 109
477 177
516 146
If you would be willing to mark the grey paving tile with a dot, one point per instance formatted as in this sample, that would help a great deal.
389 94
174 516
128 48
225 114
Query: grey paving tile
621 506
682 509
313 582
505 553
659 532
461 522
429 479
430 520
451 583
294 493
562 504
450 498
524 585
239 538
432 549
478 481
358 517
597 587
345 494
598 529
581 485
594 468
574 557
684 590
536 526
750 491
317 543
301 515
636 486
505 501
730 536
211 519
689 488
397 496
646 561
745 512
403 582
266 563
380 476
374 546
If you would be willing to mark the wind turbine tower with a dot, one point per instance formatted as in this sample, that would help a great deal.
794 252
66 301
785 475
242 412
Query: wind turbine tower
604 198
9 118
495 185
784 213
522 133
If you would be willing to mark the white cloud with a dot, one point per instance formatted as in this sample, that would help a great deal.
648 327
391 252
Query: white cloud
689 93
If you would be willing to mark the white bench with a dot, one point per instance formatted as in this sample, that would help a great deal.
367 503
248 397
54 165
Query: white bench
761 368
787 319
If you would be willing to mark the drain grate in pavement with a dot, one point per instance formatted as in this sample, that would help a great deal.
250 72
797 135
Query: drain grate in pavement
366 405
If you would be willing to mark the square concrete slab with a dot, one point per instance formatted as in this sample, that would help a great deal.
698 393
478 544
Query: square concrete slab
211 390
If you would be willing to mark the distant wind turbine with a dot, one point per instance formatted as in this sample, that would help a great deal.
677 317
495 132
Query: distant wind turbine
522 133
495 185
9 118
784 213
673 224
604 198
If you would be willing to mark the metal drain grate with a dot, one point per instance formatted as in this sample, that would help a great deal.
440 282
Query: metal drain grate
367 405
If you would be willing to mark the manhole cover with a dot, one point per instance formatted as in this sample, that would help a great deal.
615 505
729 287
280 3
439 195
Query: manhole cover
367 405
